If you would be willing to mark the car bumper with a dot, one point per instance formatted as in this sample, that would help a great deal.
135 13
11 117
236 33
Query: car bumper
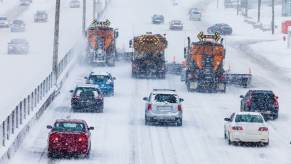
87 107
169 117
242 137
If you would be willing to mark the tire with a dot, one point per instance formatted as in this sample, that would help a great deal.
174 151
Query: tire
228 139
179 122
275 116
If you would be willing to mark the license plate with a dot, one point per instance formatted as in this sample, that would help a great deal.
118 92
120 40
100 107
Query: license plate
164 108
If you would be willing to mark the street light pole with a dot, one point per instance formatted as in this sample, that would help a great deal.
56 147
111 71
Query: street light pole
273 16
237 7
56 42
259 10
94 9
84 18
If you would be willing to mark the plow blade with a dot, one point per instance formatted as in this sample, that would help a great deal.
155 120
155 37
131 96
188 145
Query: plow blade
243 80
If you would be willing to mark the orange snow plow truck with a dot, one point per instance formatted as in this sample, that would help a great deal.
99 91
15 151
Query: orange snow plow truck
148 59
101 47
204 66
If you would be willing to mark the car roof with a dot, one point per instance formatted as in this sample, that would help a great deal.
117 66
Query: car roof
71 120
17 20
87 86
18 40
176 21
247 113
104 73
164 91
3 17
261 91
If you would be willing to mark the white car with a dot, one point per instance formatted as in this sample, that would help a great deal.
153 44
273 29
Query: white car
195 15
246 127
4 23
176 25
163 105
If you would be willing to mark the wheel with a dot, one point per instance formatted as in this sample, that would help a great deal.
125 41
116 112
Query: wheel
275 116
180 122
229 141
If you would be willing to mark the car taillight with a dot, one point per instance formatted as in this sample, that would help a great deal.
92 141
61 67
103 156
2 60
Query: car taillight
54 138
236 128
179 107
261 129
276 103
82 138
249 102
222 78
149 107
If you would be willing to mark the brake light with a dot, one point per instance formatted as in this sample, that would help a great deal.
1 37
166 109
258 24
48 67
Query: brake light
222 78
54 138
249 102
276 103
82 138
261 129
179 107
149 107
237 128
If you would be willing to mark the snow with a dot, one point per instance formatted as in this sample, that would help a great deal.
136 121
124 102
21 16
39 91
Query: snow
120 135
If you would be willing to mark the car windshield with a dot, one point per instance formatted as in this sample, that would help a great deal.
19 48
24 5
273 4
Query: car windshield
18 41
264 98
176 22
248 118
3 18
86 92
98 78
170 98
69 127
17 22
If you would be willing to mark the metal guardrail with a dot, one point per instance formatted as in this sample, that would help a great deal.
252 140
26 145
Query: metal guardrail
32 106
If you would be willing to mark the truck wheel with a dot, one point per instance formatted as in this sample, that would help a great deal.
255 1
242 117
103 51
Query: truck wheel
179 122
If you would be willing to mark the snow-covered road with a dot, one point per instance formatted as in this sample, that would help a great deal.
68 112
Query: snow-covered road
120 135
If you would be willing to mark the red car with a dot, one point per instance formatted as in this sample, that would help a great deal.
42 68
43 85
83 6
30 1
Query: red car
69 137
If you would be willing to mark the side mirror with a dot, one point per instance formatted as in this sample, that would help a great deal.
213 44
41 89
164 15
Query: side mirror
146 99
91 128
71 91
241 96
181 100
49 127
227 119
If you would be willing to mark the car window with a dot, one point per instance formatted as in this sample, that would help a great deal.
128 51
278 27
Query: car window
86 92
170 98
69 127
249 118
99 78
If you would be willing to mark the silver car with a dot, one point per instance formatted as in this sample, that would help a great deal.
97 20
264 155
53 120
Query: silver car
163 105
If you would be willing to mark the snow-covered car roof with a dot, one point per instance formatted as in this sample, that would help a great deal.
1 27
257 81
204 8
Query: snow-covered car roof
247 113
164 91
176 22
71 120
18 40
3 18
17 21
86 86
100 73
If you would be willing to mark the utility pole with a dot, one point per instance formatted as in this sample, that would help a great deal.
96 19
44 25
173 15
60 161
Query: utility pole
84 18
237 7
273 16
94 9
56 42
259 10
247 8
217 2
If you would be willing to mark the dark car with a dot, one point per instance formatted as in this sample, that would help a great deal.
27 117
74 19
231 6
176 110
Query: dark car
87 98
104 81
221 28
69 138
262 101
18 46
157 19
25 2
17 26
40 16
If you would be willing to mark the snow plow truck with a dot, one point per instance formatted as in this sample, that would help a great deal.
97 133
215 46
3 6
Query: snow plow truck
148 58
204 66
101 48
